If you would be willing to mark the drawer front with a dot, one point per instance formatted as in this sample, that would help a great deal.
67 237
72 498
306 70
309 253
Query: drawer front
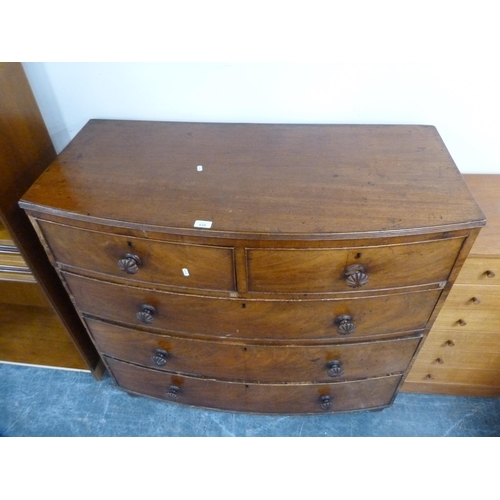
177 264
334 270
471 308
480 271
239 318
257 398
258 363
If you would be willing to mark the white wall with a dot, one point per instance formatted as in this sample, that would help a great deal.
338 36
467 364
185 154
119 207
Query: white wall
459 98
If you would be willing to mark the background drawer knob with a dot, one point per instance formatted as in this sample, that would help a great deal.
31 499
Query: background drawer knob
462 322
130 263
160 357
335 368
345 325
146 314
355 276
326 402
173 393
490 273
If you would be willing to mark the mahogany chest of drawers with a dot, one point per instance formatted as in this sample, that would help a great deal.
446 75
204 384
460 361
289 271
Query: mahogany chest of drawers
256 268
462 353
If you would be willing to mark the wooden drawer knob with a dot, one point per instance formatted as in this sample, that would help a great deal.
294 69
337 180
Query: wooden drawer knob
130 263
490 273
160 357
462 322
326 402
475 300
146 314
355 276
334 368
345 325
173 392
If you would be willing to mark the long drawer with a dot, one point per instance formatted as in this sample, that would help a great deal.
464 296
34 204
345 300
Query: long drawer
345 269
257 319
141 259
251 362
255 397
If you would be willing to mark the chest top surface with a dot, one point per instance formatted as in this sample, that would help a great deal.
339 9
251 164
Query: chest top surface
256 180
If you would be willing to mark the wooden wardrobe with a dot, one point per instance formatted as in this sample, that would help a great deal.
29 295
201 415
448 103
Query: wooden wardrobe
38 323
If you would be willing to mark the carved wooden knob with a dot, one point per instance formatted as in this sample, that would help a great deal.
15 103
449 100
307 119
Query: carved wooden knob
440 361
173 392
461 322
450 343
334 368
475 300
490 273
345 325
146 314
326 402
160 356
130 263
355 276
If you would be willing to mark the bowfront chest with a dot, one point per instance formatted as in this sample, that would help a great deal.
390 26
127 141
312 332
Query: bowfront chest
256 268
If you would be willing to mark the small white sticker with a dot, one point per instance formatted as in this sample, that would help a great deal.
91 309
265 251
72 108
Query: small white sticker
185 272
206 224
199 168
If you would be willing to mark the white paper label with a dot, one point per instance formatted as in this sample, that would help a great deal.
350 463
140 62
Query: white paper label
185 272
206 224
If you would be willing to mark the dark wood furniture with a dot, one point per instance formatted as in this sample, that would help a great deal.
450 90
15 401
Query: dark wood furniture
258 268
461 355
38 323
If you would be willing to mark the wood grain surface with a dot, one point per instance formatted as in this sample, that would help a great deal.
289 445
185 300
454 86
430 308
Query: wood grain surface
258 180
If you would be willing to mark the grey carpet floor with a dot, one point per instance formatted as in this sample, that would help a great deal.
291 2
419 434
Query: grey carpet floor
48 402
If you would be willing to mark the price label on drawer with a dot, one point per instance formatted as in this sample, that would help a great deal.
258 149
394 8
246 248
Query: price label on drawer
205 224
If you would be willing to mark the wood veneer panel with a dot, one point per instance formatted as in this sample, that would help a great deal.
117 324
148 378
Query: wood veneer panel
359 183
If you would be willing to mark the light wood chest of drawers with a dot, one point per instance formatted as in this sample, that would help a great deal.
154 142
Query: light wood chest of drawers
259 268
461 355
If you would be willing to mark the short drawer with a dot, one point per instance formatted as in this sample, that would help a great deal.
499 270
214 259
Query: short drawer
346 269
255 397
480 271
262 319
251 362
140 259
471 308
